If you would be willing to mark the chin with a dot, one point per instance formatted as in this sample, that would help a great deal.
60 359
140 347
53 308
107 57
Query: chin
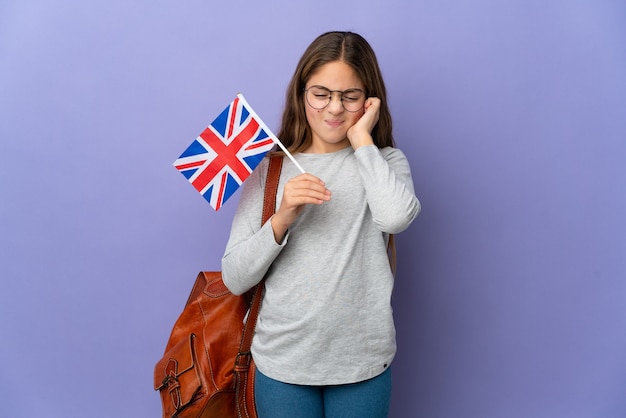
336 139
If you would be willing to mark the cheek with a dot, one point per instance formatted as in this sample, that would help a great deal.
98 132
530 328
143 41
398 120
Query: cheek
312 115
354 117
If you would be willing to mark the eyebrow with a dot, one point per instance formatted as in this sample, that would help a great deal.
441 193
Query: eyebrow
337 91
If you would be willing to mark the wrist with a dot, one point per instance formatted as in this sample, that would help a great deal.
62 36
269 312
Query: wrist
361 139
279 228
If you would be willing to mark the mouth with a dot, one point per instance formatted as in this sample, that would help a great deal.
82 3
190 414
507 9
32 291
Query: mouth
334 123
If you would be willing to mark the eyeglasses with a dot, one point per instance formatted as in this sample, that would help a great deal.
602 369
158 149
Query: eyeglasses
318 97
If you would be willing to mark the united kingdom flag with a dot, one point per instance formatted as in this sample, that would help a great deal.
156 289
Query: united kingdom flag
220 159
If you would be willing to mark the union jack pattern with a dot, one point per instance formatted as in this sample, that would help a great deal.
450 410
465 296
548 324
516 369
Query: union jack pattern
222 157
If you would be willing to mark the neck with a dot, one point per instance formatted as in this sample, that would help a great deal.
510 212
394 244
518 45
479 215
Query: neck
326 148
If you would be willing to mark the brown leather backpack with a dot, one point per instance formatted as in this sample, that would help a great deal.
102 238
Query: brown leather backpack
207 370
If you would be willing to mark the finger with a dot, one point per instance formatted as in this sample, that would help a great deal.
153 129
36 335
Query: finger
307 185
301 194
372 105
306 181
306 177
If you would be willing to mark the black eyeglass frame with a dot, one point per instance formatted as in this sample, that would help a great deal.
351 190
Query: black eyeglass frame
330 92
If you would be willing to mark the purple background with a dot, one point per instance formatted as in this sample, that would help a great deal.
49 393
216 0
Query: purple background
511 292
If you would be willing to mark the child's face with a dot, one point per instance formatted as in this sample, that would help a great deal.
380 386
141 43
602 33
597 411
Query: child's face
330 125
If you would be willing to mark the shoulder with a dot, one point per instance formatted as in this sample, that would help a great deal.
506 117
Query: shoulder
258 175
389 154
254 185
392 153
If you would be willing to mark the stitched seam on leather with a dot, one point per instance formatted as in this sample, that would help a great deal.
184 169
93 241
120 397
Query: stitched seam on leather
205 348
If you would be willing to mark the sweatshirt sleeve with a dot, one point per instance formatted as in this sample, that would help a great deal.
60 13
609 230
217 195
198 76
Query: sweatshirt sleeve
251 248
389 187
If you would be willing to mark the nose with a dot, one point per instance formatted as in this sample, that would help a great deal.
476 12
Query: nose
335 105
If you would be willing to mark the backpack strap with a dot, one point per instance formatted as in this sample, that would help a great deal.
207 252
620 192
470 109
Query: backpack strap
271 187
242 363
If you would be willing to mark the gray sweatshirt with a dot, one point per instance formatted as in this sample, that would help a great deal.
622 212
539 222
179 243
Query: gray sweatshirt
326 316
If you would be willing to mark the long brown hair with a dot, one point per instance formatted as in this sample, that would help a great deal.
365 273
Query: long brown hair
355 51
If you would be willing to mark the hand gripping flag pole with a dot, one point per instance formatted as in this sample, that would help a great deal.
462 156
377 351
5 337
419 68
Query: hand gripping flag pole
222 157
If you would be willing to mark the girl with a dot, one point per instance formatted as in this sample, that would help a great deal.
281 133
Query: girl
325 337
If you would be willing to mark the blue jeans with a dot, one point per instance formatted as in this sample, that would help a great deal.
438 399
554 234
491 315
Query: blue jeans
367 399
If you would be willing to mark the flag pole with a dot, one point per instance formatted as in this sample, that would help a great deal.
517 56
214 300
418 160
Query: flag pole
288 154
270 133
